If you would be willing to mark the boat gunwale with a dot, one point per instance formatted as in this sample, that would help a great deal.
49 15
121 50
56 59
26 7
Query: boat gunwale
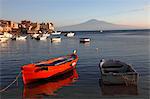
132 71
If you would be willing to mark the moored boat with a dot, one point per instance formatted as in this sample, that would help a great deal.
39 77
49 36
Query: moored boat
49 68
8 35
1 34
45 35
41 38
35 35
71 34
3 39
21 37
117 72
56 33
84 40
56 39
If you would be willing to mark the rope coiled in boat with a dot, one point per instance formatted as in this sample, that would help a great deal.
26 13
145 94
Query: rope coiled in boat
4 89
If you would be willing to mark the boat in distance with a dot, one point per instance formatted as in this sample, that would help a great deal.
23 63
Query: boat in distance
21 37
14 37
56 39
3 39
117 72
49 68
84 40
41 38
56 33
71 34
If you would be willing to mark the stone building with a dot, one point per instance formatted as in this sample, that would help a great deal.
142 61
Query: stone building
34 28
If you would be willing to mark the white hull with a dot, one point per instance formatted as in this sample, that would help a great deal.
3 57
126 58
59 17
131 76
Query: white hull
21 38
3 39
8 35
56 39
56 33
35 35
85 40
46 35
2 36
43 38
70 34
101 30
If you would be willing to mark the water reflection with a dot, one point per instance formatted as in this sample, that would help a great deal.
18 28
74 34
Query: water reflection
56 43
85 43
3 44
50 86
112 90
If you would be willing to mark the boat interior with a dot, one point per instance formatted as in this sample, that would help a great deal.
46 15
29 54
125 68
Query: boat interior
58 61
116 67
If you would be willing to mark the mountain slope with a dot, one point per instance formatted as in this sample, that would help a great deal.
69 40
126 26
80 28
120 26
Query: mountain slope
94 24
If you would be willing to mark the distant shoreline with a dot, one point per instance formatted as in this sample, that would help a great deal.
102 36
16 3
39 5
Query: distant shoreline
131 30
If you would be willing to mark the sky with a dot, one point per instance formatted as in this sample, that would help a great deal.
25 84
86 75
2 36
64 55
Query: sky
69 12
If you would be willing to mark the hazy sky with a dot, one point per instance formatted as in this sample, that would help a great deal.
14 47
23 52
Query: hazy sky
66 12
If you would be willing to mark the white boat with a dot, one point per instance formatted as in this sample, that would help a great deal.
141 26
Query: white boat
35 35
83 40
3 39
8 35
56 33
46 35
101 30
117 72
21 37
41 38
56 39
1 35
71 34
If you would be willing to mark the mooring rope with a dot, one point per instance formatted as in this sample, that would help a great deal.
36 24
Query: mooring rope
11 83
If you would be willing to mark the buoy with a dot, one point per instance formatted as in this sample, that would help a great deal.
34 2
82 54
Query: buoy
74 51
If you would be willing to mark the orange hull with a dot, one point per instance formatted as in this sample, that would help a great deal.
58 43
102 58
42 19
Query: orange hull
49 68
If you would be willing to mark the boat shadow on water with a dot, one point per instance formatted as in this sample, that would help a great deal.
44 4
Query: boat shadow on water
48 87
118 90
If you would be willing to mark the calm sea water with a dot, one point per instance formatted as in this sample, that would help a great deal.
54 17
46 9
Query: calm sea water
130 47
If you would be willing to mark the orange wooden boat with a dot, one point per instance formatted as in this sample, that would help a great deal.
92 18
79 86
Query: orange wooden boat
50 86
48 68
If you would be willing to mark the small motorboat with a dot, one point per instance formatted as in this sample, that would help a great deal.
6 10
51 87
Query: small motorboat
8 35
56 39
101 31
35 35
21 37
56 33
3 39
1 35
117 72
84 40
41 38
71 34
50 86
49 68
46 35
